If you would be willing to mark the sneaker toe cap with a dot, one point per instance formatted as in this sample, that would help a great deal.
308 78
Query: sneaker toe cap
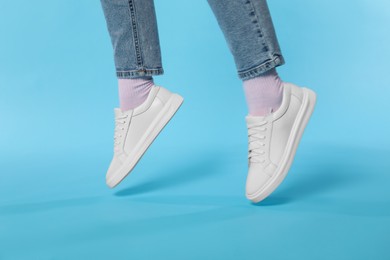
115 165
258 177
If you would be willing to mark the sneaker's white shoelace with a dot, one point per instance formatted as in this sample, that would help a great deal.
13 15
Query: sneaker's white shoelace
257 141
120 121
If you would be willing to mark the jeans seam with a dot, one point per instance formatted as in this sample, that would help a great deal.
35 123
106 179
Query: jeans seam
137 45
258 28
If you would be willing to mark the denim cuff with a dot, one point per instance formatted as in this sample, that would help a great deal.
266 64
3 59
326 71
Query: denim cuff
256 71
128 74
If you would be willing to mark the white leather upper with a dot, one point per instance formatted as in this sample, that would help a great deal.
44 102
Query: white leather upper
134 123
279 125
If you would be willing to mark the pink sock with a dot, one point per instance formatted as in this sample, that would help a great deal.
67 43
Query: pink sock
264 93
133 92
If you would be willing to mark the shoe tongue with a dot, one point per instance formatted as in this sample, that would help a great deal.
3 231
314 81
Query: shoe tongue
254 119
117 112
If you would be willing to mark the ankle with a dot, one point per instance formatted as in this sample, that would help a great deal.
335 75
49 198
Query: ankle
264 93
133 92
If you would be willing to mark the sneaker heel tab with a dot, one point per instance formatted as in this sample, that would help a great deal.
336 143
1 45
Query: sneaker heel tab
296 91
148 102
164 94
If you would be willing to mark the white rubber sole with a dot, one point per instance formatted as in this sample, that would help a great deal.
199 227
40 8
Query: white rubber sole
303 116
161 120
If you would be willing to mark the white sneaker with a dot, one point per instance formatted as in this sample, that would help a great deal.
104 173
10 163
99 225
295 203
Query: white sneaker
273 141
136 129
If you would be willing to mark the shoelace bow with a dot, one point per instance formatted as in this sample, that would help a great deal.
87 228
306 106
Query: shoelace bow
119 127
257 136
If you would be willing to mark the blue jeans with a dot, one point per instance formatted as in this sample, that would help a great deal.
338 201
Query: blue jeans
246 25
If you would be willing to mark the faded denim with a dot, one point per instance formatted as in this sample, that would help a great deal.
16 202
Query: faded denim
246 25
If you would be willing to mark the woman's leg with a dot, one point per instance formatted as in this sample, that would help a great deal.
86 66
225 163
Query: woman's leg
133 30
278 111
250 35
144 108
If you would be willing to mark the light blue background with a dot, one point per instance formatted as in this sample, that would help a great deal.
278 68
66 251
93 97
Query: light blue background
185 199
